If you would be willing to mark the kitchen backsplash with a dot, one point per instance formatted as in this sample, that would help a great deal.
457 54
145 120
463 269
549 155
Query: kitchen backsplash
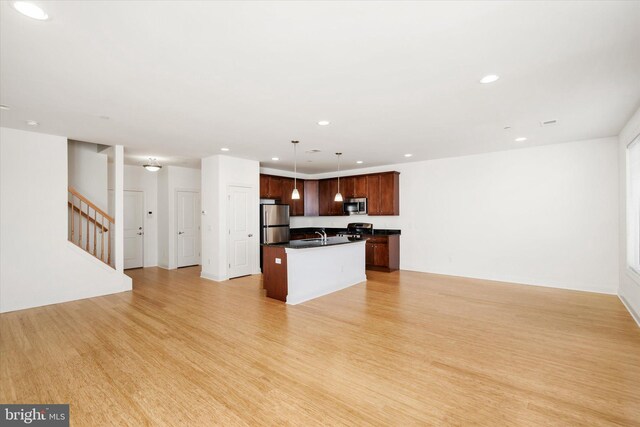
384 222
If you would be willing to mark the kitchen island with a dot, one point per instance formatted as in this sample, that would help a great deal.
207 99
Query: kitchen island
301 270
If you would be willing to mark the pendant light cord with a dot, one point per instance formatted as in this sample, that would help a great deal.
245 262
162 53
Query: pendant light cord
295 166
339 172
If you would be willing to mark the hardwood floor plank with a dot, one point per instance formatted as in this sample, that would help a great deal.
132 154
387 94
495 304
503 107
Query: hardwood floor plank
404 348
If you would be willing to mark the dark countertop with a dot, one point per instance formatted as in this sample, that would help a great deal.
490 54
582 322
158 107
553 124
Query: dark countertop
376 231
315 243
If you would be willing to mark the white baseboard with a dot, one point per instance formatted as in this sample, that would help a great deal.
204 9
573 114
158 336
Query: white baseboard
607 290
634 315
213 277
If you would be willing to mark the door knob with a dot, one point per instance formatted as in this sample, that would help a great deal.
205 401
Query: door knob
180 232
250 235
140 233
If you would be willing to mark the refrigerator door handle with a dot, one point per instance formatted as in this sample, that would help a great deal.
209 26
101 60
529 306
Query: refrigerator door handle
266 223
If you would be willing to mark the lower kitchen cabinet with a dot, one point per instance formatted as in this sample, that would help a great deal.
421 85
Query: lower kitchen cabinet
383 253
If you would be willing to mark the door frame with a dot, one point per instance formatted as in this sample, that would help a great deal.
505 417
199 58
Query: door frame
252 255
175 223
144 224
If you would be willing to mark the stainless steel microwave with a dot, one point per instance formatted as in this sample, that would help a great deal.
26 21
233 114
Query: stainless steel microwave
355 206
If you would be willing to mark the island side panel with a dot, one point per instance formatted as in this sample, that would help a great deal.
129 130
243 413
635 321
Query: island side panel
274 276
315 272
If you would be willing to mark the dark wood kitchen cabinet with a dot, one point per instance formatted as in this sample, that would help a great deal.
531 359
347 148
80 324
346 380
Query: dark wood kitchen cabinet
354 186
286 188
271 187
264 186
383 253
280 189
383 193
297 206
327 190
311 200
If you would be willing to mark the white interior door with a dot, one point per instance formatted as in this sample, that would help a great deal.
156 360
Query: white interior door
188 203
240 212
133 229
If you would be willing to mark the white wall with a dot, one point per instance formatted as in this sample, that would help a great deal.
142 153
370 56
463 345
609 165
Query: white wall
136 178
218 173
543 216
629 290
38 265
170 180
87 172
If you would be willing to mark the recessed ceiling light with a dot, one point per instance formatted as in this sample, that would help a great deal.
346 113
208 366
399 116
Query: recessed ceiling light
359 162
224 149
32 123
490 78
520 139
324 122
275 158
4 107
31 10
408 155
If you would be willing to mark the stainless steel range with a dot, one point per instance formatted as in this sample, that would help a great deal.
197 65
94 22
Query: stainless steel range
357 229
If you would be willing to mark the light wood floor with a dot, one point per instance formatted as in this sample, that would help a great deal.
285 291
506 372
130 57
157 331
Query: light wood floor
403 349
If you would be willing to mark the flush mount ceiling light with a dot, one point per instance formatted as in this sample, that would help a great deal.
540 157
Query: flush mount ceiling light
32 123
520 139
359 162
31 10
490 78
275 159
224 149
4 107
338 197
295 195
408 155
152 165
324 122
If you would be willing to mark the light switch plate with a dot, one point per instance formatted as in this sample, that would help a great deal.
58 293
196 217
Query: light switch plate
278 261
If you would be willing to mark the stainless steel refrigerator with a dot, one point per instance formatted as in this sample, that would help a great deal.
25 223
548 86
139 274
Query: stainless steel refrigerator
274 225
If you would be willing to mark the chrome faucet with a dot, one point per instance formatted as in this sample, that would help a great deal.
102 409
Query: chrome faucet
322 235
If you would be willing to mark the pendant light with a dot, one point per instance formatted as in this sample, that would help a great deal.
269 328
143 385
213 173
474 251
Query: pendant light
295 195
152 165
338 197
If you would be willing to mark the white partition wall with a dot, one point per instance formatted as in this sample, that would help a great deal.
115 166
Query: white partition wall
218 173
38 264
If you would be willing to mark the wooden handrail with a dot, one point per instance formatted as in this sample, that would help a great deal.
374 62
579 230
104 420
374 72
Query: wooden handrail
84 214
81 206
91 205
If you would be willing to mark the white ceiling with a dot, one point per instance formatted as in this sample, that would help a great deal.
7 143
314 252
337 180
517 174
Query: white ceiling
179 80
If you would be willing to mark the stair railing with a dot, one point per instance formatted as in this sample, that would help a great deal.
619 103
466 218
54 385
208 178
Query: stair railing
90 227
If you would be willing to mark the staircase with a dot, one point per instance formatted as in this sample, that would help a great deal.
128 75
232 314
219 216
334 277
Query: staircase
89 227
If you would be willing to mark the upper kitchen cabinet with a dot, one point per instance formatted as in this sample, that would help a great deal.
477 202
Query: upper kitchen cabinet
311 198
264 186
286 188
353 186
327 190
270 187
317 197
280 189
383 193
297 206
